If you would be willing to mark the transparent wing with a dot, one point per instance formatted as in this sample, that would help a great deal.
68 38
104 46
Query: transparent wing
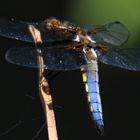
15 29
54 59
18 30
128 58
113 33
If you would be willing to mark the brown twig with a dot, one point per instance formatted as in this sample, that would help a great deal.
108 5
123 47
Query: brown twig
44 89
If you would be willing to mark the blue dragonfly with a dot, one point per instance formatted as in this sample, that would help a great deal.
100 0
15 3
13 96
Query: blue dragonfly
67 46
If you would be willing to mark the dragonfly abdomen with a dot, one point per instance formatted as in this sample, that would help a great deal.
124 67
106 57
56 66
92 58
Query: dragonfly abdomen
91 82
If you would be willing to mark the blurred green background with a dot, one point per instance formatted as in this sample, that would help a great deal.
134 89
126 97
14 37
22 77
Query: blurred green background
103 11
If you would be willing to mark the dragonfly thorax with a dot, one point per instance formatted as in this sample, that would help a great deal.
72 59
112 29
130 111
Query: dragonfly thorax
90 53
85 39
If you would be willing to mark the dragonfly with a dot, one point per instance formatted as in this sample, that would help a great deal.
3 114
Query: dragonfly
66 46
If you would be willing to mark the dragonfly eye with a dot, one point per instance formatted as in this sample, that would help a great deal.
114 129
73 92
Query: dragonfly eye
55 22
50 23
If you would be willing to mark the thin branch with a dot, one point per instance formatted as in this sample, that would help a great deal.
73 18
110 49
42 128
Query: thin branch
44 89
11 128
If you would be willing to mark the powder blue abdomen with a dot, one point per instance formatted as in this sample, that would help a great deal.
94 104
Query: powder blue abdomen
91 80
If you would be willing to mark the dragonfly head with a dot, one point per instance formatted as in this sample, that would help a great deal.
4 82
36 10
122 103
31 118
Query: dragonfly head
50 23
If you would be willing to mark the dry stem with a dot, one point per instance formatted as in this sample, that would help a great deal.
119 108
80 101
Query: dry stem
44 89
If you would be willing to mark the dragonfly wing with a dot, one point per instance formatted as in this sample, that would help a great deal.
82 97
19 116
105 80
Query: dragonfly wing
19 30
54 59
128 58
15 29
114 33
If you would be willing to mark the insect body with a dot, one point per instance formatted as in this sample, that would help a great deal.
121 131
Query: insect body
70 47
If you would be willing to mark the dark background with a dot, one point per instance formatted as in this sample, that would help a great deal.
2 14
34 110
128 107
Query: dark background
119 88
